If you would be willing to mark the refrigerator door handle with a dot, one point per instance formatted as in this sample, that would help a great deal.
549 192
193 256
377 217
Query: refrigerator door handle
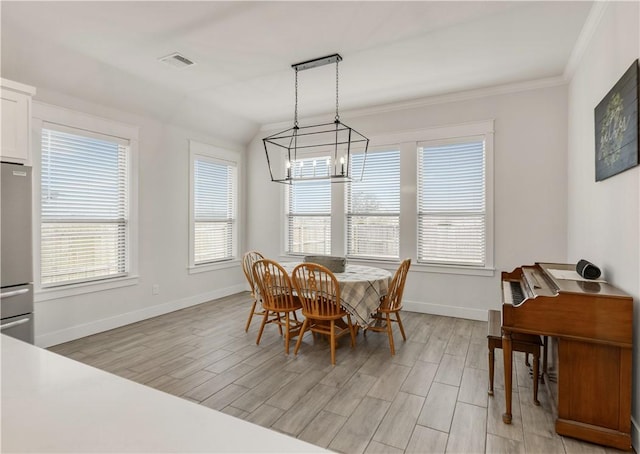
22 291
16 323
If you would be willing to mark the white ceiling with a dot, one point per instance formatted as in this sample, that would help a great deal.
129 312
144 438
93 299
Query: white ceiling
393 51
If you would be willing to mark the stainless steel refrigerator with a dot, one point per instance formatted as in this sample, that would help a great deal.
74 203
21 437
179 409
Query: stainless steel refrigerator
16 262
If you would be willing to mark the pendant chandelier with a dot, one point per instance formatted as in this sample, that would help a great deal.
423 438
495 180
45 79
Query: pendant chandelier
316 152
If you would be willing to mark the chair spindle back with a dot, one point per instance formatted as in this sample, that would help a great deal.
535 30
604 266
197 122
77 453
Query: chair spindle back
393 299
318 290
248 260
274 285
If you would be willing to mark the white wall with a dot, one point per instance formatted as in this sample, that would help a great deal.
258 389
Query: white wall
163 187
530 190
603 217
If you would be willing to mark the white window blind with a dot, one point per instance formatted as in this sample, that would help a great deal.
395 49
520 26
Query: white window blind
84 206
373 206
309 208
451 203
214 205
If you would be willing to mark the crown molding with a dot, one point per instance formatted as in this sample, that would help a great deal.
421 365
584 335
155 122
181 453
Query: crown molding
584 38
433 100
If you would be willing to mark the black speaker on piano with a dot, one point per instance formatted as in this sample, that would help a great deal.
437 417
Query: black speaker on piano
587 270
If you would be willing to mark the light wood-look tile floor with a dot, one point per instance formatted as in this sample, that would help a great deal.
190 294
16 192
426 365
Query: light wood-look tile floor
430 397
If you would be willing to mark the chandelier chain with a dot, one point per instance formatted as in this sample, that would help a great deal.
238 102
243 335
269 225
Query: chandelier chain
337 79
295 114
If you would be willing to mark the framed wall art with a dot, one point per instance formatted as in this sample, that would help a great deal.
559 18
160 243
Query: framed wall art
616 127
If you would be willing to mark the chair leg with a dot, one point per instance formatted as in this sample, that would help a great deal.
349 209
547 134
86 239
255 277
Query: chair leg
253 309
264 322
536 367
400 325
390 333
526 360
279 322
302 330
352 330
491 370
333 342
287 333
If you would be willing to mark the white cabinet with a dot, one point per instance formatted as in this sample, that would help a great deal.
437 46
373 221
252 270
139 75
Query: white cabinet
15 112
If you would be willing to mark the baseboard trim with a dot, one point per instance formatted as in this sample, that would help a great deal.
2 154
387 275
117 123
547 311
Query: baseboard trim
635 435
442 309
98 326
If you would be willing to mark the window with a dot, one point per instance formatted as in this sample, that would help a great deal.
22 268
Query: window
373 206
84 188
308 204
214 206
425 194
452 221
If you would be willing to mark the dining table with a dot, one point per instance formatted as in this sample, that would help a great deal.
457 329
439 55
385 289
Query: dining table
361 288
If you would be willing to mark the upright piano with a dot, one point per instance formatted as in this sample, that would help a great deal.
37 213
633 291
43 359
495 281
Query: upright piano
590 325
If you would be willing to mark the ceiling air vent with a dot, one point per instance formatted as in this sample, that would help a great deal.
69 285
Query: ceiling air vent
176 60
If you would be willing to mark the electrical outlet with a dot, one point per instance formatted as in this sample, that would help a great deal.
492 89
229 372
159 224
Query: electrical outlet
155 289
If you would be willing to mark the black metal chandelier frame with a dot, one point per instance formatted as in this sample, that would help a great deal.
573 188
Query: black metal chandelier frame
335 137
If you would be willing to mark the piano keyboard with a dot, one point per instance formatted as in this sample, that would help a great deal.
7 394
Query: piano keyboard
516 292
512 293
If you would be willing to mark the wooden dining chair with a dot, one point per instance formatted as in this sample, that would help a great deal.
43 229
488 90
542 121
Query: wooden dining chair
248 260
391 304
319 293
279 302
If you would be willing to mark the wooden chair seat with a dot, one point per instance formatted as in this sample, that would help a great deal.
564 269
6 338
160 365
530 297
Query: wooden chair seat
521 342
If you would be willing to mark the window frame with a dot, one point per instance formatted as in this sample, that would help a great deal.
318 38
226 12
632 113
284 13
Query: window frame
449 212
286 197
218 155
348 215
93 125
483 130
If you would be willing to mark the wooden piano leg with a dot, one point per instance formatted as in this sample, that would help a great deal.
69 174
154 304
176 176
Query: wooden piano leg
545 341
536 377
491 369
508 375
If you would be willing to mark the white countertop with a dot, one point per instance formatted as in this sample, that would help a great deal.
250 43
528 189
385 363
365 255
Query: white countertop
54 404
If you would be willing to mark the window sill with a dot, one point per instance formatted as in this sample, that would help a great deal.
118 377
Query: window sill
453 269
392 265
53 293
195 269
